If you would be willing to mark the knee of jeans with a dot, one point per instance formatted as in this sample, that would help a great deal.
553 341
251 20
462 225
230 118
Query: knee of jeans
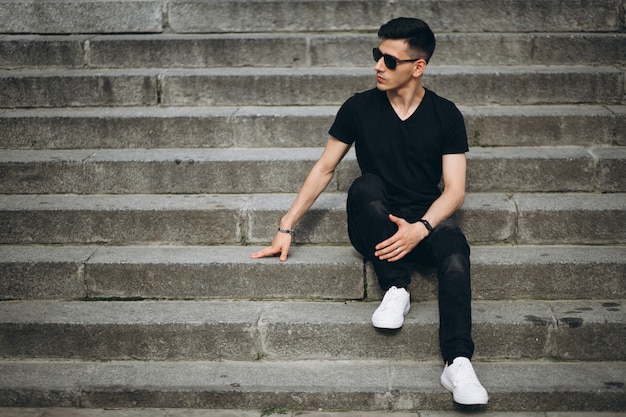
454 275
449 240
366 188
455 264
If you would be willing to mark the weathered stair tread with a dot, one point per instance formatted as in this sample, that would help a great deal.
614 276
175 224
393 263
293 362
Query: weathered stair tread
114 16
311 272
295 330
287 126
504 85
308 385
200 50
528 218
263 170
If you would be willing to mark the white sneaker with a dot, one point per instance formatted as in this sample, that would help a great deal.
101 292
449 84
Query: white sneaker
390 314
460 379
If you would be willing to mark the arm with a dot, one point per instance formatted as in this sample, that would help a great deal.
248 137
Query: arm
409 235
320 175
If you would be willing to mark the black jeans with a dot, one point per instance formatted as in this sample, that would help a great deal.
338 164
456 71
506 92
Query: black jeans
446 249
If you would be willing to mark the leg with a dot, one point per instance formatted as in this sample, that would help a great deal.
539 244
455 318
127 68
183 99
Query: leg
451 252
369 224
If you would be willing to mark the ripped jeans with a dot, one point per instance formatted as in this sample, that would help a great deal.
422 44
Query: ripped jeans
446 249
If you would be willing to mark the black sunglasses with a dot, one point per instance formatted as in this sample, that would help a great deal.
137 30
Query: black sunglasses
391 61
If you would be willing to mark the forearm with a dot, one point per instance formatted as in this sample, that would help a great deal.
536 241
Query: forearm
315 183
444 207
454 173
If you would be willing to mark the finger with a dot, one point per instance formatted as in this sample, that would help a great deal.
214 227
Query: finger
284 252
388 243
396 220
264 252
388 252
396 255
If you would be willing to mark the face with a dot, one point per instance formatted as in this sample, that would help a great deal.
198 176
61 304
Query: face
387 79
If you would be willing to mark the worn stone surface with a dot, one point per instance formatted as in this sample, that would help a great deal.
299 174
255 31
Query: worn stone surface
43 272
194 412
567 218
300 330
224 272
115 219
307 126
229 16
67 88
503 85
298 50
261 170
333 272
32 51
359 386
611 168
530 169
82 16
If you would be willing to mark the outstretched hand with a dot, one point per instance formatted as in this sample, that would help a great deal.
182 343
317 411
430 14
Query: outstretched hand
280 245
407 237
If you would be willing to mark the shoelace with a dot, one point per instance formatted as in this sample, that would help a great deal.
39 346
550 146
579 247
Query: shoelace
469 376
392 296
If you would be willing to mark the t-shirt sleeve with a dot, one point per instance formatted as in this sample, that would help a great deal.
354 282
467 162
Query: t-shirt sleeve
343 128
455 135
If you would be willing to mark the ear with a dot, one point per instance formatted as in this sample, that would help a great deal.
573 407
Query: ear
419 67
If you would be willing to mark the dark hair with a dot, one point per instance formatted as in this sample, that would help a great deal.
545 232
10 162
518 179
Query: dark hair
415 31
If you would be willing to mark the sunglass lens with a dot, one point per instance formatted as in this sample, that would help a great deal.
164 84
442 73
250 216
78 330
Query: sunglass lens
389 61
377 54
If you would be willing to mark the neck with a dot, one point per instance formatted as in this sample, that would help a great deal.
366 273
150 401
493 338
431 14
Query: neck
406 100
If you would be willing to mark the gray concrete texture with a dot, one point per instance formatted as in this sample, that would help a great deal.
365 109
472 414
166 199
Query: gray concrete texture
578 330
504 85
188 16
300 50
560 218
275 411
311 273
284 127
262 170
307 385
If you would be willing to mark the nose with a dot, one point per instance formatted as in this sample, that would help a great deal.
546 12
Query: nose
380 65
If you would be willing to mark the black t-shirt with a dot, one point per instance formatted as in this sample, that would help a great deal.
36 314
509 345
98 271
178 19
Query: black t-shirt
405 154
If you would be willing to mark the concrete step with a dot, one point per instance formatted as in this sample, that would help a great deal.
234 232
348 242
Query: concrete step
279 126
547 218
197 412
307 385
300 50
283 170
181 16
499 272
580 330
504 85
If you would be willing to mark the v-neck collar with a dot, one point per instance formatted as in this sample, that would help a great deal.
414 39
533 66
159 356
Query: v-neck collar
426 92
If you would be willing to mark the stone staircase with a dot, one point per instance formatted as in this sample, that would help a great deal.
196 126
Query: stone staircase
147 147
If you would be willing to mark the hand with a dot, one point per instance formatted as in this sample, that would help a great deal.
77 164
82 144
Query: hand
280 245
408 236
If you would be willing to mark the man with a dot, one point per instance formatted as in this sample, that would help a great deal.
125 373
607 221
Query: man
407 139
